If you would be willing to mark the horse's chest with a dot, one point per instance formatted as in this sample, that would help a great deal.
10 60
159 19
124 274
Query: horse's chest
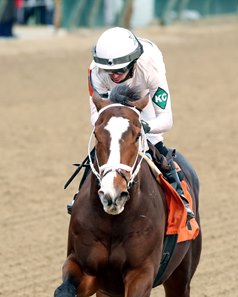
92 249
110 247
134 245
124 246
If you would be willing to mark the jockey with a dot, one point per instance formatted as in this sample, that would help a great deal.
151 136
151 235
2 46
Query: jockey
119 57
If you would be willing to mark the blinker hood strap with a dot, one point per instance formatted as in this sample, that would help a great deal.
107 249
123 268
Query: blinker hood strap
125 59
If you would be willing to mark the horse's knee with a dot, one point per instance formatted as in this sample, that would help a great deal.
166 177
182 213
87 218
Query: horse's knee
66 289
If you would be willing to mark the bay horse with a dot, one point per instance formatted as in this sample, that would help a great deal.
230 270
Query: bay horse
119 218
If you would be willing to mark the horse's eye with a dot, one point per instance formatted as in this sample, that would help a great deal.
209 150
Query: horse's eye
138 136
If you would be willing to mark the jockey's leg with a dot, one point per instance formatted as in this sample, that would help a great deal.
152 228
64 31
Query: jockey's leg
171 175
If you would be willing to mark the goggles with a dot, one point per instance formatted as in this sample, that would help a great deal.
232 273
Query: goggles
121 70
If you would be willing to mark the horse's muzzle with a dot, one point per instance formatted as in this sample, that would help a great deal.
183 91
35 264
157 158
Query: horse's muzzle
113 204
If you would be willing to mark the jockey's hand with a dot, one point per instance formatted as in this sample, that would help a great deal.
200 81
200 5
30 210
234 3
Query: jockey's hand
145 126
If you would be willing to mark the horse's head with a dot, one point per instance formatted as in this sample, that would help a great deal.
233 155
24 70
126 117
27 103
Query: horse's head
118 136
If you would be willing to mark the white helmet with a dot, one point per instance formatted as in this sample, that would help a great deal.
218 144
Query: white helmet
116 48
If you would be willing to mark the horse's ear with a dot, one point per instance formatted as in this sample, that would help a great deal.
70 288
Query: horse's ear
141 103
99 101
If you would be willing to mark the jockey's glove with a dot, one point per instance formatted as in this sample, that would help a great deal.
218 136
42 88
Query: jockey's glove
145 126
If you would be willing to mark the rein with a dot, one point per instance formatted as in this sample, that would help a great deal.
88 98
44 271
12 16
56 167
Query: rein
106 168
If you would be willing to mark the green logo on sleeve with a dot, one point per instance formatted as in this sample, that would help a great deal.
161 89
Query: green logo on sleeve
160 98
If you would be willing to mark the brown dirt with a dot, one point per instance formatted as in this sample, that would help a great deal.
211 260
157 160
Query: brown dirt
45 127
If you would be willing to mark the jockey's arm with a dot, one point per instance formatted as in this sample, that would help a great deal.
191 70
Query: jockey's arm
161 124
160 95
163 120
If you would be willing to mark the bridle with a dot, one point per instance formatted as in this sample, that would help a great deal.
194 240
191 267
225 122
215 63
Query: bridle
106 168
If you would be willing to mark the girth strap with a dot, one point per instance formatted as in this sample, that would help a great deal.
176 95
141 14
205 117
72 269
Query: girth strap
168 249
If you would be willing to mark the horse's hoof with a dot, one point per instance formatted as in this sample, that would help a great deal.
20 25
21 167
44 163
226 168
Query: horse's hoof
65 290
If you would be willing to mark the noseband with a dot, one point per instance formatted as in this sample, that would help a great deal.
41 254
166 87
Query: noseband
120 172
106 168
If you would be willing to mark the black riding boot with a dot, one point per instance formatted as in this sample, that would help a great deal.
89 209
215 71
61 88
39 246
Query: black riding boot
168 169
173 178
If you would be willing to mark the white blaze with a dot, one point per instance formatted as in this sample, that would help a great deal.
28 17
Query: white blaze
116 126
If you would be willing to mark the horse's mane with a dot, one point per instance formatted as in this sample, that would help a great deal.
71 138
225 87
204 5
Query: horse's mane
125 94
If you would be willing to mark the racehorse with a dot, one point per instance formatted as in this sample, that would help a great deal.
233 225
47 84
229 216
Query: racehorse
119 218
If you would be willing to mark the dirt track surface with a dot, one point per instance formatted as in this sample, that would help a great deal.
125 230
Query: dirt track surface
45 127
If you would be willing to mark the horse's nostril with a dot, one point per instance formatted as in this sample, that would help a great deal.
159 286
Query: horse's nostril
106 199
109 202
124 194
100 194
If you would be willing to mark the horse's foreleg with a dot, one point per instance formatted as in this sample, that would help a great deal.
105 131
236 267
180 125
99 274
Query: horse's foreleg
177 291
139 282
75 282
66 289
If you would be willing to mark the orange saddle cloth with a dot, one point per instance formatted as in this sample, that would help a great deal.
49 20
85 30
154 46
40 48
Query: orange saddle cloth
177 216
